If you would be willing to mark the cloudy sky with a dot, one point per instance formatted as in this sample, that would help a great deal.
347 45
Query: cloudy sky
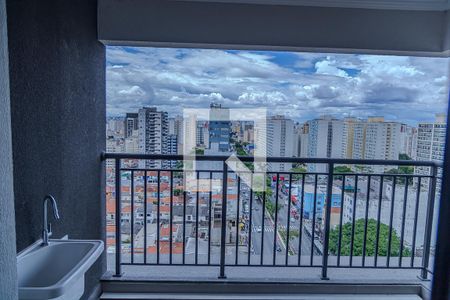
300 85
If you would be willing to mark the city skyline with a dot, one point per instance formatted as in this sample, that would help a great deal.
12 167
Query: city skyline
301 86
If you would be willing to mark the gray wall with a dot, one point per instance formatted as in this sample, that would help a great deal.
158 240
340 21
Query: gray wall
57 76
243 26
8 276
446 45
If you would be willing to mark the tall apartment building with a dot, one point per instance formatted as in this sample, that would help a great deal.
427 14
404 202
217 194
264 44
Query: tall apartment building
153 134
131 144
114 127
304 140
176 127
383 140
202 134
375 138
247 133
279 143
348 137
172 148
325 140
130 124
219 128
297 139
409 146
358 140
431 139
431 142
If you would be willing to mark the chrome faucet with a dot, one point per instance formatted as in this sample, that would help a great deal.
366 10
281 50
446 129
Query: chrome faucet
47 231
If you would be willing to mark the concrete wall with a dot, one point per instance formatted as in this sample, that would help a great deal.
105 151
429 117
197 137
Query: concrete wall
57 75
446 45
8 276
250 26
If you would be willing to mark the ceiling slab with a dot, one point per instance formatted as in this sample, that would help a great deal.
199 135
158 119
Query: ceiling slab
433 5
277 27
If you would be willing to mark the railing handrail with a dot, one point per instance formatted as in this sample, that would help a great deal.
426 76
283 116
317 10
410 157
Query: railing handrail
330 162
343 161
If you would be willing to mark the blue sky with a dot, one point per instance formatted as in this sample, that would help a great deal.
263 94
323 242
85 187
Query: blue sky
299 85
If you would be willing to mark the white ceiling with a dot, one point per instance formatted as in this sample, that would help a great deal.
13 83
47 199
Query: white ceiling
431 5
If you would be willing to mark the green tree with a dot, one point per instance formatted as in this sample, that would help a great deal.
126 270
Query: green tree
270 207
404 156
342 169
370 239
400 171
177 192
299 170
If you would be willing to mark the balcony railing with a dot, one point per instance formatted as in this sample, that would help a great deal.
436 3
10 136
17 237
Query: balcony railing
372 215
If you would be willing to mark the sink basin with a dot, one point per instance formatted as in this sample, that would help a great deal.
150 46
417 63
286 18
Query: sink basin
56 271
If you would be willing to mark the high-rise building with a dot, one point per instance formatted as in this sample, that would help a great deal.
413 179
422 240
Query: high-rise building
247 133
279 141
431 142
348 137
153 134
219 128
358 140
383 140
304 140
409 144
176 128
297 139
115 127
376 138
325 137
131 144
130 124
202 134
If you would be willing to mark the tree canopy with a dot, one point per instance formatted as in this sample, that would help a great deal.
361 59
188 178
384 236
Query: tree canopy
342 169
370 240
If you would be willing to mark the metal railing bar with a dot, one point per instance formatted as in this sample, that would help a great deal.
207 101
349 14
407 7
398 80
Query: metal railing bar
366 219
269 266
416 215
352 238
184 226
300 235
118 220
391 217
429 223
340 161
145 217
377 238
250 226
237 218
330 180
341 214
313 224
158 225
288 221
275 232
223 220
210 216
171 218
263 224
402 232
132 217
197 216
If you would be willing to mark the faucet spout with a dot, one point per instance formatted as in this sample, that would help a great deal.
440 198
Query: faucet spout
47 229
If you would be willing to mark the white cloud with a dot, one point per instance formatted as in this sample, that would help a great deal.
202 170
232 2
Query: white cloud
310 85
328 67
